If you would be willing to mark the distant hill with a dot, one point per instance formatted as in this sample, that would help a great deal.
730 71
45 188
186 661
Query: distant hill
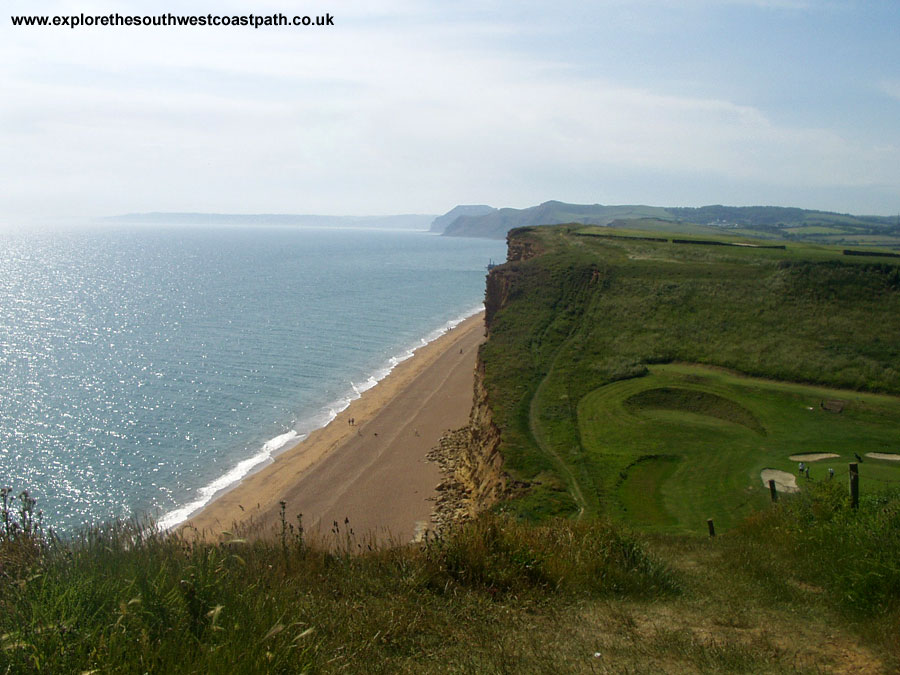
772 222
403 221
778 216
440 223
497 223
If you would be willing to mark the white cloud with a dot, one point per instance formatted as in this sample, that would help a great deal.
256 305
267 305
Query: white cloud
891 88
371 116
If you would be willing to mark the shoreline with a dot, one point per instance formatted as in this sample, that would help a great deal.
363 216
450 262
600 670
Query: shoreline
383 481
272 448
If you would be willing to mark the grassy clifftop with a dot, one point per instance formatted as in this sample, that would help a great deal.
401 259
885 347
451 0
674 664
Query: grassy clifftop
579 308
807 586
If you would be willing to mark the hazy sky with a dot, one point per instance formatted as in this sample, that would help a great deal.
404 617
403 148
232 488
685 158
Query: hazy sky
417 105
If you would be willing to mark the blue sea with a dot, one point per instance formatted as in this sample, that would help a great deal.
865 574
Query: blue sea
143 370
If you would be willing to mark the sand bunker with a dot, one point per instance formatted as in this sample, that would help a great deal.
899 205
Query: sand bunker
784 481
890 456
813 456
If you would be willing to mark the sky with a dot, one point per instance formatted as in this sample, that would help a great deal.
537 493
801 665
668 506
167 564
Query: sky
414 106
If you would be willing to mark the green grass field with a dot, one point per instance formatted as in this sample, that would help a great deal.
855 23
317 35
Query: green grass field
815 229
651 382
686 443
601 306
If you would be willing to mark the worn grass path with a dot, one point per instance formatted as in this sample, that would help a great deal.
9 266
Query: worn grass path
537 432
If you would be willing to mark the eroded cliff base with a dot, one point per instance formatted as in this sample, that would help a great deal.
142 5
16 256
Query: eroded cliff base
471 464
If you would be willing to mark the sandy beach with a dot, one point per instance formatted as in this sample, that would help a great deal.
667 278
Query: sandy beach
373 473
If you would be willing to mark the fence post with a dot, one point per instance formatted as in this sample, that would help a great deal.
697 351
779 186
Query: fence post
854 485
712 528
772 491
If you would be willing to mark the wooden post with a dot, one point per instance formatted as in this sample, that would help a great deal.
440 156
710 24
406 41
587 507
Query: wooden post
772 491
854 485
712 528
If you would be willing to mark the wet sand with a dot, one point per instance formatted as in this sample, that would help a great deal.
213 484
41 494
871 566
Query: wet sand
373 473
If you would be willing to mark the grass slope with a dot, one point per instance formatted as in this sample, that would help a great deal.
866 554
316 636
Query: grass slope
686 443
592 309
789 591
494 596
786 592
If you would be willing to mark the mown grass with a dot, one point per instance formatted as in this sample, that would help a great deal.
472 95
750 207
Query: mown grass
686 443
652 382
593 310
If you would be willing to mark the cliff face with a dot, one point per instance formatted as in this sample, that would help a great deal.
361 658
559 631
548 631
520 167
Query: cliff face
480 464
499 280
495 295
470 461
519 247
470 458
477 465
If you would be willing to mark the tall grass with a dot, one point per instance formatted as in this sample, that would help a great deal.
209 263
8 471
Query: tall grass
124 598
817 539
